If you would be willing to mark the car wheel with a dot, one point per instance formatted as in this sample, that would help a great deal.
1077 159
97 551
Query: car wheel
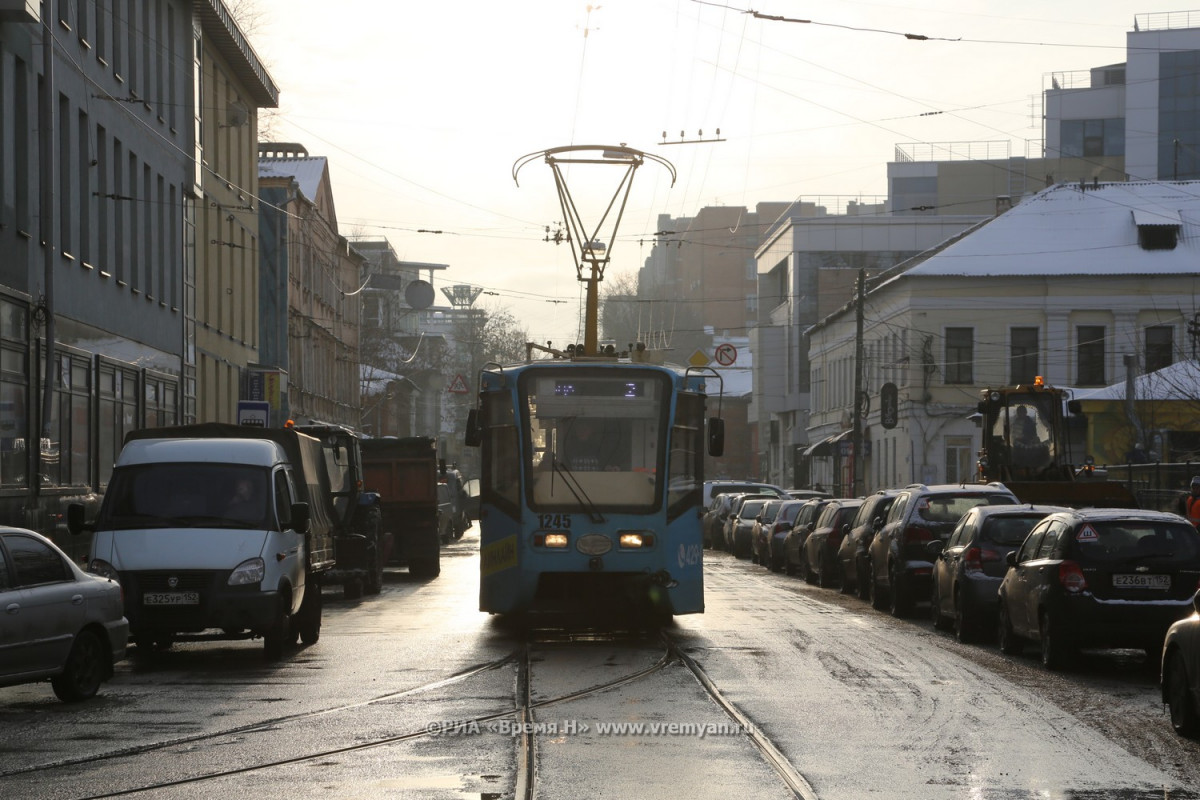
1007 638
309 622
846 585
900 604
964 622
879 599
935 609
788 567
1056 651
86 668
276 639
1185 718
806 568
863 581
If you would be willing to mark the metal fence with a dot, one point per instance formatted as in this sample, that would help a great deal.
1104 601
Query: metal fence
1159 486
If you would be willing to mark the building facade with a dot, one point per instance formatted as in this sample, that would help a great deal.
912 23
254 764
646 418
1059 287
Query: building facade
102 173
1075 285
306 261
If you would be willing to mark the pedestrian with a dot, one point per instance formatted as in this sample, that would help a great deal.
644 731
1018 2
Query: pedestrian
1191 503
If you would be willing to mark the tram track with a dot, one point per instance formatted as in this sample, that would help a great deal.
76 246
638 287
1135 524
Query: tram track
523 712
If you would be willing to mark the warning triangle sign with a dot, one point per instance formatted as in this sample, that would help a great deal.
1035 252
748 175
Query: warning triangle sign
458 385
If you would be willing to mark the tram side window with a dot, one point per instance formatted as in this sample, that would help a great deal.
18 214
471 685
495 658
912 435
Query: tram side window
500 479
686 457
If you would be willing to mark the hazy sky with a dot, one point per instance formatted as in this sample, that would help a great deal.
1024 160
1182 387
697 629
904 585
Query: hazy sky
423 109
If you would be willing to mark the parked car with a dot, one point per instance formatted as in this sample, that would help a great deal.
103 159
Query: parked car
713 523
899 565
968 568
779 531
821 546
1099 578
852 553
1181 672
793 543
729 517
807 494
715 487
760 536
60 622
740 524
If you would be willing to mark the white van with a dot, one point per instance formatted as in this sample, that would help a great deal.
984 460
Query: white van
212 538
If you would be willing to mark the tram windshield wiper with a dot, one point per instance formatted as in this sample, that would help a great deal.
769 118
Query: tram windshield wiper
576 488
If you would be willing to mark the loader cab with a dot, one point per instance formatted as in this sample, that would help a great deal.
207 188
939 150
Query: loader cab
1024 434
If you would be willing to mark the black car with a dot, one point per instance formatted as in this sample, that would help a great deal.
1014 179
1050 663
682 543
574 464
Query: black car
900 567
740 524
793 543
1099 578
968 568
1181 673
777 535
852 553
821 545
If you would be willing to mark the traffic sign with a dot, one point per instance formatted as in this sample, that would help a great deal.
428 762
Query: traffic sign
699 359
889 406
255 413
726 354
458 385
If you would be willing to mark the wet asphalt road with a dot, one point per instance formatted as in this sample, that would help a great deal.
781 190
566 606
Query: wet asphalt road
779 690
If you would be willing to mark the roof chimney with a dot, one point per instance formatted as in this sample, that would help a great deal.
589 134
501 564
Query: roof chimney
1003 203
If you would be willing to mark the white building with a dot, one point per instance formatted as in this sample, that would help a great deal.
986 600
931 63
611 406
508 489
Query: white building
1064 285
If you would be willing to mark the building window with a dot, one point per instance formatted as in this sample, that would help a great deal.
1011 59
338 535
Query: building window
1160 347
960 459
1090 355
1023 355
1088 138
14 393
960 355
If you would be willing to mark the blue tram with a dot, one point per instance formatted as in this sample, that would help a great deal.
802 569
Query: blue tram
590 492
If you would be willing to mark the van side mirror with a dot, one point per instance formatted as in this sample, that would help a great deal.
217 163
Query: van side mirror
301 519
716 436
76 522
473 436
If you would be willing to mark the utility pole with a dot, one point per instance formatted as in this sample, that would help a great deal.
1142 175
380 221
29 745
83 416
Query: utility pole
856 437
48 155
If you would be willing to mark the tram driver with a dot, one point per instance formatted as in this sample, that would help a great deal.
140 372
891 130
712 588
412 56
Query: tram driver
586 446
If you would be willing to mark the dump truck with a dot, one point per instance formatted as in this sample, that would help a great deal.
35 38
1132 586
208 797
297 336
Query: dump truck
404 473
1026 447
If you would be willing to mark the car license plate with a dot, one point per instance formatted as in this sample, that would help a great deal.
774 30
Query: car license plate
1142 581
171 598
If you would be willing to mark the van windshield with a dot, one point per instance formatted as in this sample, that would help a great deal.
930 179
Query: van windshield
187 496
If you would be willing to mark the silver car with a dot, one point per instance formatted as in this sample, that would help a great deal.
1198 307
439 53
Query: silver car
60 622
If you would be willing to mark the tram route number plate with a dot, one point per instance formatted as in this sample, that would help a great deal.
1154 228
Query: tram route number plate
171 598
1127 581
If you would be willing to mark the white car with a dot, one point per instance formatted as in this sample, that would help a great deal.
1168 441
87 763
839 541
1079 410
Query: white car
59 622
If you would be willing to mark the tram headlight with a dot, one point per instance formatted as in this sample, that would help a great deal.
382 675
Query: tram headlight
554 540
636 540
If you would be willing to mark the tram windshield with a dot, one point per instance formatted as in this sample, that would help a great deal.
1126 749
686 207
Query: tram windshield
596 439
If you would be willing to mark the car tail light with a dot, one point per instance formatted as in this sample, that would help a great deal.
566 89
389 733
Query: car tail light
975 557
1070 575
915 534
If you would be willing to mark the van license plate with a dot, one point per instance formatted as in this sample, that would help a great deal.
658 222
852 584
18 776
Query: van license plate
171 598
1125 581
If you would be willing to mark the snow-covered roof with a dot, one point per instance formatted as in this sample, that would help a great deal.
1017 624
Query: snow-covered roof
307 171
1180 381
1066 230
